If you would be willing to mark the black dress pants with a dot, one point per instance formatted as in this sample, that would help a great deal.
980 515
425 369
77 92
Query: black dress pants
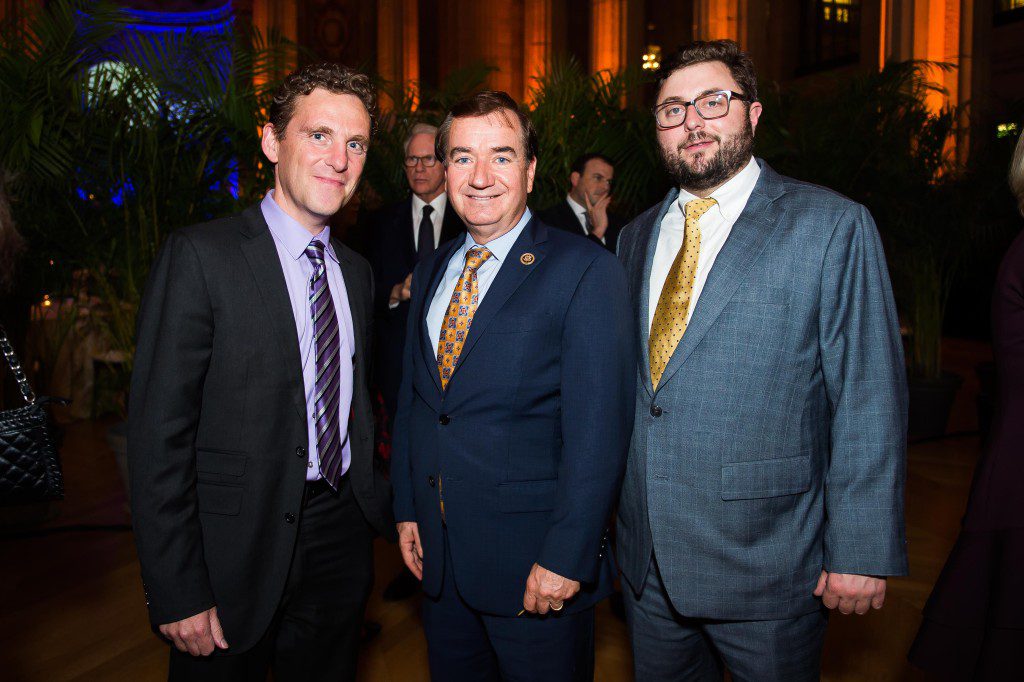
315 633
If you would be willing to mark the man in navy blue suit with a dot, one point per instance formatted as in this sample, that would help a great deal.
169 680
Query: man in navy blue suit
513 418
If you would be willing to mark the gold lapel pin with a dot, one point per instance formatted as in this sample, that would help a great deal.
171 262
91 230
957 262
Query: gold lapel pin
527 259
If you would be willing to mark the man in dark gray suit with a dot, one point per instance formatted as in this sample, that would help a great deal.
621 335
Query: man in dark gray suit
766 470
255 497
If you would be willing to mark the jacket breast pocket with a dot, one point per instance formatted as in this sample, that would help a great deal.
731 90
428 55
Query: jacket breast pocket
766 478
221 462
527 496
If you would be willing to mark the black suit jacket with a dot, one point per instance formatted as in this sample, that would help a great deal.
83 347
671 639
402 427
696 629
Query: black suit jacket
393 257
561 216
217 425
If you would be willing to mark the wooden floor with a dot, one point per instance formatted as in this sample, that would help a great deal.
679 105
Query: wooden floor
73 609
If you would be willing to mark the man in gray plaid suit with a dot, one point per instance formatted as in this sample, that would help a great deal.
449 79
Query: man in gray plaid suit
766 469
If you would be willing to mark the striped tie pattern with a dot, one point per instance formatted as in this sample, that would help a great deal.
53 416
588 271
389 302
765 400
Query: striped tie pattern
669 322
461 309
327 345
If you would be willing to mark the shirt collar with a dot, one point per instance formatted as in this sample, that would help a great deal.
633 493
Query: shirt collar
574 205
439 203
733 195
293 236
500 247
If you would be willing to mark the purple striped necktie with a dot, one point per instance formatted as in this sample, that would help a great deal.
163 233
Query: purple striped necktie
327 345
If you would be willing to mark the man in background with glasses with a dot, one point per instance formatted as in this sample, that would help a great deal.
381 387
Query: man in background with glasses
404 234
765 477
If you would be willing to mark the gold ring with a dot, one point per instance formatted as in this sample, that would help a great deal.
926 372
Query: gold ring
556 608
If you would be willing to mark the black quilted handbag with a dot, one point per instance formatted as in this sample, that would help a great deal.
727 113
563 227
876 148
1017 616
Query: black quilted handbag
29 465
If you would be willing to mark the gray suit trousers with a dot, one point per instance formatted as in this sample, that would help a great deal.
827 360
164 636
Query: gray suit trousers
670 647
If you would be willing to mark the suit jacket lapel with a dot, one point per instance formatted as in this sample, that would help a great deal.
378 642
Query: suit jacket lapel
748 238
512 274
403 226
641 283
440 264
261 254
451 224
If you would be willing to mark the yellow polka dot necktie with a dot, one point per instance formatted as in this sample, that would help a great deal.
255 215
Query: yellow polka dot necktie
460 314
669 323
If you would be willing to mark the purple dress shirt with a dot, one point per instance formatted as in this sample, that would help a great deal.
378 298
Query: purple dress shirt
291 240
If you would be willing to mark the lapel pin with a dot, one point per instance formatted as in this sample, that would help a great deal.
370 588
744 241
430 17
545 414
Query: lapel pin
527 259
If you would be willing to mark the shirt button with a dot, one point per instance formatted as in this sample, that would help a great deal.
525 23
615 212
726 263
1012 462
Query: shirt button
289 518
309 465
655 411
444 419
300 452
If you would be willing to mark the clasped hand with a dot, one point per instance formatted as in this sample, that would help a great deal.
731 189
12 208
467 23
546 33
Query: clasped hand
546 590
198 635
850 593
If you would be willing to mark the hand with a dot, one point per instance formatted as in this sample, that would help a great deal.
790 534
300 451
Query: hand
597 214
197 635
545 590
409 544
401 291
850 592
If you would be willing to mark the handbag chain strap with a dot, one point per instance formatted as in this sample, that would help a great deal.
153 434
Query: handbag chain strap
19 374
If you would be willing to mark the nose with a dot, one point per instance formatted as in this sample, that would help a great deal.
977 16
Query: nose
481 176
693 121
337 159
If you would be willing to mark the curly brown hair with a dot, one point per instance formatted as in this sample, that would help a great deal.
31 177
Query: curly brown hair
726 51
330 76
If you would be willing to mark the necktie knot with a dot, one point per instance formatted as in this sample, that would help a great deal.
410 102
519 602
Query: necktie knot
475 257
695 208
428 210
315 252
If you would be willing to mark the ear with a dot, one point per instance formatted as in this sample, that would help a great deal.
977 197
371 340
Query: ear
574 179
754 113
531 170
269 143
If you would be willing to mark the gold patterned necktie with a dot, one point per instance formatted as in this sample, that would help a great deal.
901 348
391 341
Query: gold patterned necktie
461 309
669 323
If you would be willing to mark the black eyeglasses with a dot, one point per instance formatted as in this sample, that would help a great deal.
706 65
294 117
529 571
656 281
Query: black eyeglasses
713 105
427 161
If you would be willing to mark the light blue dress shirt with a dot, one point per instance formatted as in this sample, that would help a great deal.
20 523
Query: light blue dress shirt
499 249
291 240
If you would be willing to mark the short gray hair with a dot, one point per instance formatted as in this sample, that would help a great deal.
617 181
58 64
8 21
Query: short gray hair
1017 173
419 129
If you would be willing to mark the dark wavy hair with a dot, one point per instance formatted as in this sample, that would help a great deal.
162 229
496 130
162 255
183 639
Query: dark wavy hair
484 103
726 51
329 76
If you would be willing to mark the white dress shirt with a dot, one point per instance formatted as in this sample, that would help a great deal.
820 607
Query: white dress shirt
581 215
437 217
715 226
499 249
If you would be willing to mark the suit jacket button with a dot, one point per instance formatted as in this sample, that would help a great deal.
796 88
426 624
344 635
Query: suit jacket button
655 411
300 452
430 481
444 419
289 518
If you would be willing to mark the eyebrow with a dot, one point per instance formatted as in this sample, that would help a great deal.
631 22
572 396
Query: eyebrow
317 129
701 94
496 150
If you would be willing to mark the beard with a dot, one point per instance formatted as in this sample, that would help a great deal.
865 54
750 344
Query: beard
704 172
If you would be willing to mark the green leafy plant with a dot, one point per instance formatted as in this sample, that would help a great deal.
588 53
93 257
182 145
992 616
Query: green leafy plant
115 138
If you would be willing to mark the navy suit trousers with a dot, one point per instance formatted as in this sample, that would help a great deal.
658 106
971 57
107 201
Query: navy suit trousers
466 645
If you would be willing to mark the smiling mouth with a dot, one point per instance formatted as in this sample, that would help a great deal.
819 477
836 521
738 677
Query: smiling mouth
332 181
486 198
698 144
